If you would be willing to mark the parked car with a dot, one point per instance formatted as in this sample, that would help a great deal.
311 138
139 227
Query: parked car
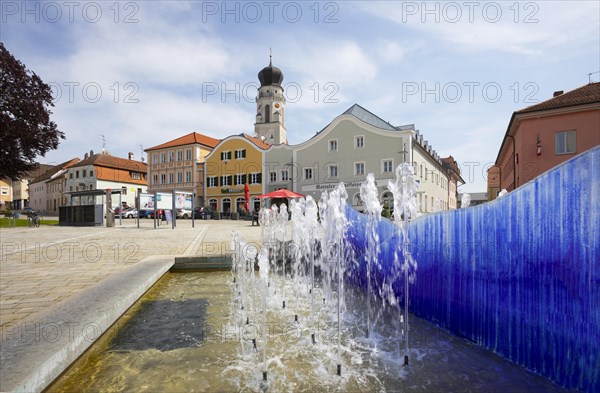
184 213
130 213
27 211
145 213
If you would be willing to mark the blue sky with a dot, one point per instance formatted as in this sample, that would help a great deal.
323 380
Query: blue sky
142 73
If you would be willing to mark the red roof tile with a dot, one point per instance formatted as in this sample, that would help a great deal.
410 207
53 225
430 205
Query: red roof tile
257 141
54 170
587 94
188 139
108 161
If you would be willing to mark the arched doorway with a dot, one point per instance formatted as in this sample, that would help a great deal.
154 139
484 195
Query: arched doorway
226 206
387 202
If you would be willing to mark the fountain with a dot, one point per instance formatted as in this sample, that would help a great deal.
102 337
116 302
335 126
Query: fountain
332 269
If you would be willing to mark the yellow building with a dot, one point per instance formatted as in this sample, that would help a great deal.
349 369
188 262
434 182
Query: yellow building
236 161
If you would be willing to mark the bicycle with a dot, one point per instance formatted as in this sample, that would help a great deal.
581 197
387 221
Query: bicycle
33 220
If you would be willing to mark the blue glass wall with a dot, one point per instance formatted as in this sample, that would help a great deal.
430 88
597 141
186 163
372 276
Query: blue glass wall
519 275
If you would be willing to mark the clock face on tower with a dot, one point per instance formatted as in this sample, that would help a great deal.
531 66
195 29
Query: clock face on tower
277 105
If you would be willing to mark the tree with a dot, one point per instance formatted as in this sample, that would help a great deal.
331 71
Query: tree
25 127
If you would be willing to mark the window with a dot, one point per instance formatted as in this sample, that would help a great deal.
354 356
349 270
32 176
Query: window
155 179
240 153
4 190
226 180
359 142
155 158
179 155
84 173
171 156
255 178
171 178
284 175
136 175
273 176
70 175
421 171
91 173
91 186
239 179
188 177
308 173
359 169
123 190
163 178
333 145
163 157
188 154
387 166
179 177
333 170
565 142
212 181
225 155
77 174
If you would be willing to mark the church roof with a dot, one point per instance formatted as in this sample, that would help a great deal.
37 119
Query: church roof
270 75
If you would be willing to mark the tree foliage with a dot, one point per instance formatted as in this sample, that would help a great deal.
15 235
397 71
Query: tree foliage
26 130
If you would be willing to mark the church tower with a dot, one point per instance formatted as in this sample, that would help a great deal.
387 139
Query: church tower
270 106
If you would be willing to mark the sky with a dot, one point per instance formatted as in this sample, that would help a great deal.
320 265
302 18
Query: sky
130 75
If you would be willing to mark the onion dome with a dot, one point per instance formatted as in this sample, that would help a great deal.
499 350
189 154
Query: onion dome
270 75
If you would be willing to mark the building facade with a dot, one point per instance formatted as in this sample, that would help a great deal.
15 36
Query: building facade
20 188
179 165
354 144
544 135
5 194
103 171
42 190
235 162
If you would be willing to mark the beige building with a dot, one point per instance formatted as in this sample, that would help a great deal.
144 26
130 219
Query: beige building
179 165
20 188
5 194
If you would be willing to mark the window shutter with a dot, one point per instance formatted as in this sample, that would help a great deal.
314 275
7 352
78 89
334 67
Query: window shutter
222 156
259 178
244 177
229 182
235 180
244 153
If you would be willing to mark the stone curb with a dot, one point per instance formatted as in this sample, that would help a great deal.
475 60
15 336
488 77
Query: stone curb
34 353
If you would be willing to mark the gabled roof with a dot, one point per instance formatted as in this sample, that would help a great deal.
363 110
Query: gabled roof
189 139
587 94
368 117
54 170
108 161
257 141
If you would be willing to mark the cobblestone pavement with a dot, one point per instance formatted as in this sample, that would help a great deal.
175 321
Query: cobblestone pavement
41 267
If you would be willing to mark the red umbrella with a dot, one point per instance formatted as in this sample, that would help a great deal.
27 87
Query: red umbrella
247 197
282 194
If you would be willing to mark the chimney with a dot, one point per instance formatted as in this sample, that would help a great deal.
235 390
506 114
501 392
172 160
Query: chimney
130 155
91 153
557 93
85 156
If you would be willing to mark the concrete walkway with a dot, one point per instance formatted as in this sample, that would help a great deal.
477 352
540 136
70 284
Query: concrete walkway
62 287
41 267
